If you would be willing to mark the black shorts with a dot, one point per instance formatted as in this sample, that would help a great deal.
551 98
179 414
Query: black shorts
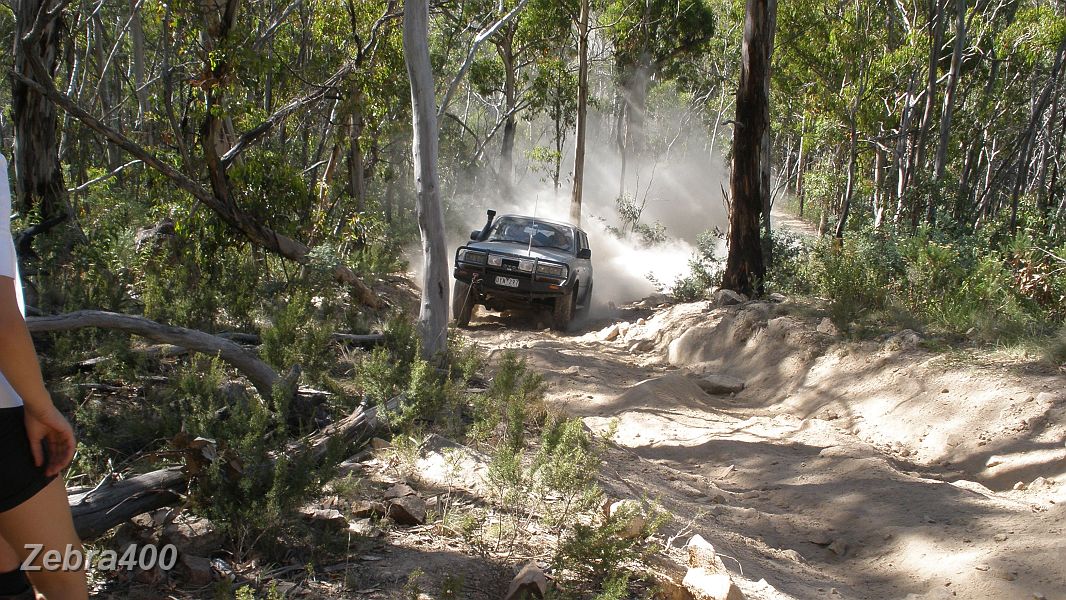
20 479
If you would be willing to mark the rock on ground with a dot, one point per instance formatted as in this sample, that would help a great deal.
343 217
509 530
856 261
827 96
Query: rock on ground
715 383
529 583
634 515
407 510
706 585
723 297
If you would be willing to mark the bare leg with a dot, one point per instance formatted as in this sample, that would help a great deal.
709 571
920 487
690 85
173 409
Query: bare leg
45 519
9 560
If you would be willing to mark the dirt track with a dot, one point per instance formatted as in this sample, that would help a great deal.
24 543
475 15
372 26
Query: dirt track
873 470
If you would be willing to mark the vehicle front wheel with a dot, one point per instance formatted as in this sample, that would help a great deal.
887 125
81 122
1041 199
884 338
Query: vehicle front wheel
462 303
586 306
564 311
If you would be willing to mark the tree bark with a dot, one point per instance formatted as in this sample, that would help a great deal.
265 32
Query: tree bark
936 42
137 58
1027 137
879 182
853 149
768 198
582 110
801 164
356 181
903 171
745 270
510 99
949 105
433 316
1049 154
39 185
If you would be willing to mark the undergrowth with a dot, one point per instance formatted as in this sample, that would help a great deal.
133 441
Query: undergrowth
991 288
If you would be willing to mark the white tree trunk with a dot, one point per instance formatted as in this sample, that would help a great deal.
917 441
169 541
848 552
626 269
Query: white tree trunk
433 315
582 107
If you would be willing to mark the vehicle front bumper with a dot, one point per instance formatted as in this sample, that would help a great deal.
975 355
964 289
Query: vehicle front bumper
484 279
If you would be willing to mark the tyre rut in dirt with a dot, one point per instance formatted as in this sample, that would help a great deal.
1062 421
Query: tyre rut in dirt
462 303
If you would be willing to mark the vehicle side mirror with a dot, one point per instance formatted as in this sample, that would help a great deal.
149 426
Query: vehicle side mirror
475 235
584 253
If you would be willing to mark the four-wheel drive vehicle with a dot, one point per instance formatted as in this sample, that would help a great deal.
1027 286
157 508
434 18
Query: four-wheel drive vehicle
524 262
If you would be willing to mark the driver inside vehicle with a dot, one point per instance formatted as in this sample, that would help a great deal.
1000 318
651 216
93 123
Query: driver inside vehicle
513 232
543 237
551 237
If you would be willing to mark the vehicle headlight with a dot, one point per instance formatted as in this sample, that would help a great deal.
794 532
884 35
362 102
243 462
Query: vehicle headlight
472 256
495 260
552 270
526 265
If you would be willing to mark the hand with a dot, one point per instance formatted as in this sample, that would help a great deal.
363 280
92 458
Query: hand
48 426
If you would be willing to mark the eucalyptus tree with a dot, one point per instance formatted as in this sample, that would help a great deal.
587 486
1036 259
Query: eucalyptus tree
39 183
650 39
223 109
433 311
745 269
577 188
527 38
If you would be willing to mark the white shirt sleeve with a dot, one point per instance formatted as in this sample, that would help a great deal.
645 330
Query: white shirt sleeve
8 262
8 268
7 246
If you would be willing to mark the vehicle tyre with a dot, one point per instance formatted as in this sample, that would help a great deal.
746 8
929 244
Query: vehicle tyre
564 311
586 306
462 303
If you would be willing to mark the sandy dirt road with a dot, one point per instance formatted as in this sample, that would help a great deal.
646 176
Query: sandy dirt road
842 470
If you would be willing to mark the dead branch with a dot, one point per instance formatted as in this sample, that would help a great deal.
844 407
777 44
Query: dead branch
114 502
110 504
262 376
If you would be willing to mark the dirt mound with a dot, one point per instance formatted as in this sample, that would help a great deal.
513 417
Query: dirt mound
868 469
891 393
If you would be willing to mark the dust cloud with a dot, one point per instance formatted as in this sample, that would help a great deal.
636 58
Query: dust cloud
679 189
678 185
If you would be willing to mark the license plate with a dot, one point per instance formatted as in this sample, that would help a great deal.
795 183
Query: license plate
506 281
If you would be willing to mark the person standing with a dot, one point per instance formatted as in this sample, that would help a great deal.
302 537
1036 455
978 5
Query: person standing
36 443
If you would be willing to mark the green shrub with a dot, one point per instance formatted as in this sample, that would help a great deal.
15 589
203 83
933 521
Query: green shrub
515 395
248 482
597 555
299 334
1055 348
629 214
705 268
787 272
397 370
848 274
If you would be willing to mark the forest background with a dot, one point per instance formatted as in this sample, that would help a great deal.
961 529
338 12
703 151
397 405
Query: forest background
245 167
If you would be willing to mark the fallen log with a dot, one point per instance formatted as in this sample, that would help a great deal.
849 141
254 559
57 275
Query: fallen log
262 376
364 341
249 339
112 503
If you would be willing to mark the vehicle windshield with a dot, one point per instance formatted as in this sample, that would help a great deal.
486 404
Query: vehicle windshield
524 230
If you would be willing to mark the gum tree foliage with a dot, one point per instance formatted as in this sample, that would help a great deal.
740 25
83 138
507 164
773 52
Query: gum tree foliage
651 41
522 70
284 127
929 67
